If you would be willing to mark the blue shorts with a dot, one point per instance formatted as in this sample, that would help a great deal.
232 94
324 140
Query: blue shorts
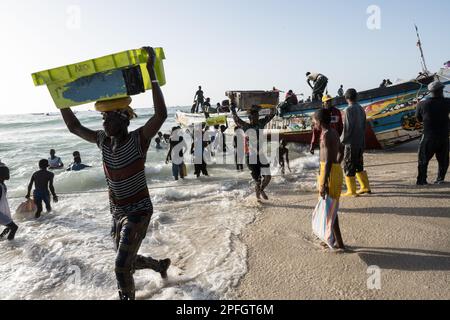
40 196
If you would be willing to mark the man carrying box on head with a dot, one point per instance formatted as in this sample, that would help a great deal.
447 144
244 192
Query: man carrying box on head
124 155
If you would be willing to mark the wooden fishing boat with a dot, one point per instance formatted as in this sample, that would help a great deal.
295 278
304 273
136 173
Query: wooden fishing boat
390 113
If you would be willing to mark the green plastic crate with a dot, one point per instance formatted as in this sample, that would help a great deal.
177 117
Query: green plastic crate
99 77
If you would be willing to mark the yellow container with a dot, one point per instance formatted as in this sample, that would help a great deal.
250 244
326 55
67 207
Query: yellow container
114 76
216 121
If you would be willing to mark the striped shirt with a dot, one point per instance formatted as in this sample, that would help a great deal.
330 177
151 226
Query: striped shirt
125 174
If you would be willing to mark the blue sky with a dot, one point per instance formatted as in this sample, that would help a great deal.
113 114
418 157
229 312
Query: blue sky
222 45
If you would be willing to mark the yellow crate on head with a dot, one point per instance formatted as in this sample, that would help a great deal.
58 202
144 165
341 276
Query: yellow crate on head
109 77
216 121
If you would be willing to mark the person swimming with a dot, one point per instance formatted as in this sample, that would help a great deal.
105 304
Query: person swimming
77 165
54 161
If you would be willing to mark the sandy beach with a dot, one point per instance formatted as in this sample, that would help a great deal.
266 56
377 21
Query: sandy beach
402 229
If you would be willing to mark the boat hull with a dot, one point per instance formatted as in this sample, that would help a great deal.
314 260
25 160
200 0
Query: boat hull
390 114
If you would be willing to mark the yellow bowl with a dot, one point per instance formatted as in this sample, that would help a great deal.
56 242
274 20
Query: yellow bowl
113 105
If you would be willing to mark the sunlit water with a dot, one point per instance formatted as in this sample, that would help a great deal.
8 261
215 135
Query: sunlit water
68 254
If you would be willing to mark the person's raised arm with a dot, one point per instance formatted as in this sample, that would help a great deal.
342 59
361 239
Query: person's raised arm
238 121
151 128
75 127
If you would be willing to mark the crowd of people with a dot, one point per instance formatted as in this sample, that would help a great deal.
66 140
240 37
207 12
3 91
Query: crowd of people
341 139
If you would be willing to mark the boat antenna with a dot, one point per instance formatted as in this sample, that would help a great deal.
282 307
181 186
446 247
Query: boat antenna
422 56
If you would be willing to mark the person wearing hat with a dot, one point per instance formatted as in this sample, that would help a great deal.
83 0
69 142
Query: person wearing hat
434 114
256 161
353 139
43 181
336 122
124 155
5 212
320 83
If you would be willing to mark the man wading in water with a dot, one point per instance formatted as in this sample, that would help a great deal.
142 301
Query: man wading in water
124 156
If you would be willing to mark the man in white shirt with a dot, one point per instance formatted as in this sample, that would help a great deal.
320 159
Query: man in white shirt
54 161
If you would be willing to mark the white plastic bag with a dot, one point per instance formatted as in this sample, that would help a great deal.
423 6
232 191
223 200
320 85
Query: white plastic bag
323 219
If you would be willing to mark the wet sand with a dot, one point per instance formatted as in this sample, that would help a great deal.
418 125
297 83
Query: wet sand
402 229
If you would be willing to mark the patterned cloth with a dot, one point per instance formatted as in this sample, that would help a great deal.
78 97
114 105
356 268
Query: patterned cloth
125 174
128 233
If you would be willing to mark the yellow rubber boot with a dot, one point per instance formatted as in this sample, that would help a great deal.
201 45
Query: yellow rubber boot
363 180
351 187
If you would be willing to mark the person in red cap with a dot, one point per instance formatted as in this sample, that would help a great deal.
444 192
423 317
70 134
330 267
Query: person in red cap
124 155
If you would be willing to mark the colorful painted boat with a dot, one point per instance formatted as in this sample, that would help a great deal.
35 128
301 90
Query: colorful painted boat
390 114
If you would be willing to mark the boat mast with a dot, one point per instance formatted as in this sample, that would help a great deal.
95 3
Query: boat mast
422 56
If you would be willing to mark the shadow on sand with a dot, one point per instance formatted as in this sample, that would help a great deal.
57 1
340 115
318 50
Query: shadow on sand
405 259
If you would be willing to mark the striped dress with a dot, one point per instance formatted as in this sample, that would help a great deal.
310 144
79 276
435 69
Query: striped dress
125 174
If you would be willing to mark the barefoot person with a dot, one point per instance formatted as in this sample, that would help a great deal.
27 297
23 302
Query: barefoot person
331 155
5 213
260 168
43 182
124 154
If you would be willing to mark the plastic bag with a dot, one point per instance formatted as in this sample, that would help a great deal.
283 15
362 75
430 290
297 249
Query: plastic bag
323 219
26 210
